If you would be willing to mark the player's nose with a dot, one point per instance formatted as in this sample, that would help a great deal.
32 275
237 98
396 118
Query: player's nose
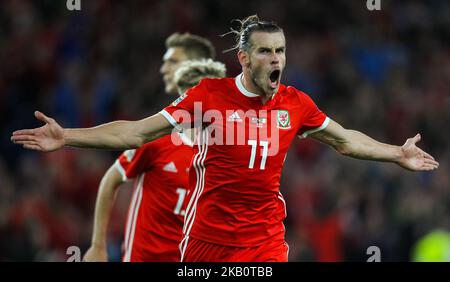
163 69
275 59
275 62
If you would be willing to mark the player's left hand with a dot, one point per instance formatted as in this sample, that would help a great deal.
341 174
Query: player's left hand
47 138
416 159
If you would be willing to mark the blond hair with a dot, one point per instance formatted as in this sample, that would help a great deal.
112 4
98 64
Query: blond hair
190 73
196 47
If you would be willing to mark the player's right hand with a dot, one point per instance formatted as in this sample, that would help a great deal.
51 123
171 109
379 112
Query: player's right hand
96 254
47 138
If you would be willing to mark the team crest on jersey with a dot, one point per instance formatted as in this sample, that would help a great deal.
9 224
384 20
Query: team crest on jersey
179 99
283 119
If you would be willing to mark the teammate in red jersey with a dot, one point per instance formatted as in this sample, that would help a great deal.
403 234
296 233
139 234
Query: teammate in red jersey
155 217
156 214
235 212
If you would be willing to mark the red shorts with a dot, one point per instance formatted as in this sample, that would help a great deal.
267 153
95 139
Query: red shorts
201 251
150 248
142 255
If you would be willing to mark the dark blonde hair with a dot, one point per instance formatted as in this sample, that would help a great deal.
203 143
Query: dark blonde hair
246 28
190 73
196 47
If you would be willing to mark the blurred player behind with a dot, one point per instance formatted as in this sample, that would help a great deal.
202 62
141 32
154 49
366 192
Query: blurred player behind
160 171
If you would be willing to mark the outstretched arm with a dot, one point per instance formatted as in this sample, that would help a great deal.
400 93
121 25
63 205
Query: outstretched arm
105 201
114 135
358 145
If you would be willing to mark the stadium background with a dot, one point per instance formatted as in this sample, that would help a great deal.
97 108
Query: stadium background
386 73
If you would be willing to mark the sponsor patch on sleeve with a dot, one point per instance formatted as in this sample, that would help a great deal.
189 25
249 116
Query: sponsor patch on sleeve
179 99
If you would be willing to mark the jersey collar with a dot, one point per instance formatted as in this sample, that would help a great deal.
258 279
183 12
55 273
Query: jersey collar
244 91
241 87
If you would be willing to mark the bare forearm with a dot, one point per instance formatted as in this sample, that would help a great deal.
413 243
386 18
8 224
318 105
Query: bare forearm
118 134
106 136
361 146
358 145
104 204
113 135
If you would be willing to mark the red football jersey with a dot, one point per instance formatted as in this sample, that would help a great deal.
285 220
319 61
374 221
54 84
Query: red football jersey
156 214
237 163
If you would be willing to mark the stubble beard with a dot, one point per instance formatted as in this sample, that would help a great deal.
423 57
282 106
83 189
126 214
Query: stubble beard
257 84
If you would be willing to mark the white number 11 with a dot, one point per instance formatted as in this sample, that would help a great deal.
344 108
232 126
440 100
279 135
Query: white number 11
181 195
254 144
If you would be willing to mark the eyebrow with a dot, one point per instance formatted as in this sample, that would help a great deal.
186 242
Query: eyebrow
170 60
268 48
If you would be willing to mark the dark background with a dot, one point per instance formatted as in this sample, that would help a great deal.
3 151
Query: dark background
385 73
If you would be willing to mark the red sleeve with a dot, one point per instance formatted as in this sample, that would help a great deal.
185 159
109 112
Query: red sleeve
314 119
134 162
188 109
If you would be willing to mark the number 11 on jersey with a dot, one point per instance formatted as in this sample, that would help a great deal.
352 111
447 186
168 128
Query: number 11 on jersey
181 195
265 149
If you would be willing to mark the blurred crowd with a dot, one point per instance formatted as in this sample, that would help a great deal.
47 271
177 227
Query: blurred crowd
385 73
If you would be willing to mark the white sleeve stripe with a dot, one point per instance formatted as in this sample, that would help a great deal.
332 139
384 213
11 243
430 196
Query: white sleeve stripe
119 168
171 120
324 124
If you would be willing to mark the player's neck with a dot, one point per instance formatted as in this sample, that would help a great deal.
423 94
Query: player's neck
251 87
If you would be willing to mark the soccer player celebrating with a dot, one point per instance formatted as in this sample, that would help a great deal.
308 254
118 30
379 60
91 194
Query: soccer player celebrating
236 211
160 169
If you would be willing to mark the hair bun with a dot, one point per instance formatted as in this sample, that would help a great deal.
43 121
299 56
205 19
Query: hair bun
253 19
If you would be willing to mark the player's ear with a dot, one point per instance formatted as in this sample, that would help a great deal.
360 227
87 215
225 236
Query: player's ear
243 58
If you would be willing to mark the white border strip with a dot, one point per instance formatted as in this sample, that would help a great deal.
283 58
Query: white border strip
241 87
196 189
287 252
120 169
172 121
200 173
324 124
134 216
202 180
280 196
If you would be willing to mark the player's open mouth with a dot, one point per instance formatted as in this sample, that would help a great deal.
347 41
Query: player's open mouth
274 78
